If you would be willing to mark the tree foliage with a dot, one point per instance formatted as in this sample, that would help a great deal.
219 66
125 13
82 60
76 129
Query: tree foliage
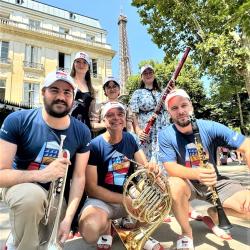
218 30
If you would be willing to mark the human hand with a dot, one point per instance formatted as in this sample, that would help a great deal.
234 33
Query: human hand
64 230
207 176
131 203
54 170
142 135
153 167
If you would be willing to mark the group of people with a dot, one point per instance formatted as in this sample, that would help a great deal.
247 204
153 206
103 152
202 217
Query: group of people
31 157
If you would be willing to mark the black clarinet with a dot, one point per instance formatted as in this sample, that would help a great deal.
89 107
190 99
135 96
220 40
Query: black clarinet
224 223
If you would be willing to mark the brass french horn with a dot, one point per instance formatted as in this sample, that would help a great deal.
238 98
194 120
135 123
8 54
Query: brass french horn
146 198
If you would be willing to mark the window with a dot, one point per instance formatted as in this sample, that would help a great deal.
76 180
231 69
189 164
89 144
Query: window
94 68
32 56
90 38
31 94
63 30
72 16
2 89
4 50
34 24
19 1
108 64
64 61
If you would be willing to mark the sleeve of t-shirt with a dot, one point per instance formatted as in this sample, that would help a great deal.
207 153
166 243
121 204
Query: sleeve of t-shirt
167 152
133 142
86 138
226 136
94 155
10 130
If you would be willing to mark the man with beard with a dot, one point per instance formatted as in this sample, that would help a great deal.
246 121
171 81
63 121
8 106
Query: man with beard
180 158
31 143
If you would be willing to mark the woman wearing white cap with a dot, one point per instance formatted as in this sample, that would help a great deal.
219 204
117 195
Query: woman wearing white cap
142 104
111 88
85 94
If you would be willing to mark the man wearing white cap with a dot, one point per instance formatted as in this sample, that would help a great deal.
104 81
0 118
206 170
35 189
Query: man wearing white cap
105 175
111 88
180 157
31 143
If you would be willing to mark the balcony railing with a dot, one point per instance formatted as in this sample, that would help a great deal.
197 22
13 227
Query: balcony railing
33 65
49 32
67 70
5 60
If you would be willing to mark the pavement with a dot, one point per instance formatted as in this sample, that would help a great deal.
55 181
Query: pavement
167 233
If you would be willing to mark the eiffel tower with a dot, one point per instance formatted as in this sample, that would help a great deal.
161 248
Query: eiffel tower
124 58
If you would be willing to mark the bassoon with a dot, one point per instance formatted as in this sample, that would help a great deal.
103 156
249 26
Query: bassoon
166 91
224 223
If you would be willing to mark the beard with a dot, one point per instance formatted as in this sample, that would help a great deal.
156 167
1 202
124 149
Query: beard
53 111
180 123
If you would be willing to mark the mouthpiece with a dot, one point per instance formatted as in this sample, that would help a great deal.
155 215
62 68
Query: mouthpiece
62 137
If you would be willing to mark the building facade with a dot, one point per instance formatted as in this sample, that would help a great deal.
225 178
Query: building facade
37 38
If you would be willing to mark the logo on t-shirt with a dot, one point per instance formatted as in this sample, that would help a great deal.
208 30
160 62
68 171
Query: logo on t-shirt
117 170
235 137
3 130
48 153
191 158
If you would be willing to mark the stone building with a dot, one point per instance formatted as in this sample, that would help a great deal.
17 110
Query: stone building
37 38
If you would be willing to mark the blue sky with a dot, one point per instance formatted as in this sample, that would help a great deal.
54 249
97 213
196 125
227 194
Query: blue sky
107 11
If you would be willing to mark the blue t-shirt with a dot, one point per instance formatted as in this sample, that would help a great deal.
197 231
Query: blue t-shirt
37 143
178 147
112 169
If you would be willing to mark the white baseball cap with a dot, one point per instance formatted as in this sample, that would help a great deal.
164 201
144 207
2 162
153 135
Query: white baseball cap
147 66
84 56
111 105
109 79
59 75
176 92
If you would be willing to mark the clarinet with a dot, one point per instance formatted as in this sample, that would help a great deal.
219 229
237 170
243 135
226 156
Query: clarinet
224 223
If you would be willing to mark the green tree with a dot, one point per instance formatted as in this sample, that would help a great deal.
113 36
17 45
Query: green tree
219 29
231 110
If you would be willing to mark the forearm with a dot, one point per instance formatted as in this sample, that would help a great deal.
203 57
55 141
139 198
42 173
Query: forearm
245 149
75 195
104 194
96 126
247 156
177 170
11 177
129 126
135 124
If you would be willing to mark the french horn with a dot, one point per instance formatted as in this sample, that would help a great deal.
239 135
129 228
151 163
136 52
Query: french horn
147 199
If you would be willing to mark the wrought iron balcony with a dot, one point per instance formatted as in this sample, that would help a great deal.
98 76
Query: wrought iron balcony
5 60
66 70
49 32
33 65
